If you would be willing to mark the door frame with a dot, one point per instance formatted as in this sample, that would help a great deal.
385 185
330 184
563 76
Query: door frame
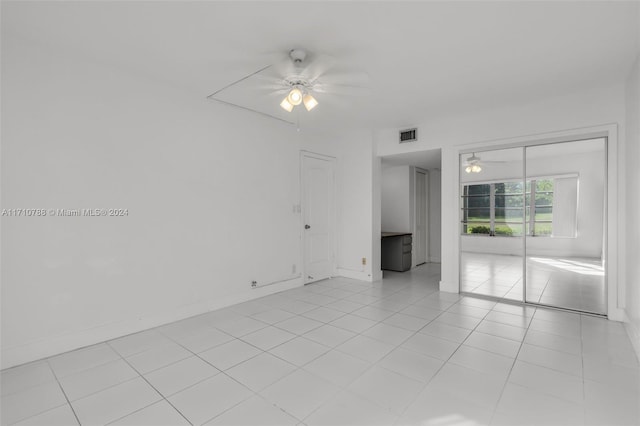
333 243
414 227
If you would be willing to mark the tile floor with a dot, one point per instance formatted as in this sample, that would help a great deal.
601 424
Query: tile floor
568 282
343 352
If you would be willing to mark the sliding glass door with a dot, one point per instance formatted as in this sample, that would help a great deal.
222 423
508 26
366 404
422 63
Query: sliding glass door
565 236
492 227
532 224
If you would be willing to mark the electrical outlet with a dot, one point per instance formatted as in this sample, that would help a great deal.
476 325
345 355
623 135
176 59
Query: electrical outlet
364 260
254 284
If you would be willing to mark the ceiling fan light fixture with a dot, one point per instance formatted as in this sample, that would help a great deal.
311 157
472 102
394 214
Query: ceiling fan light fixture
295 96
476 168
309 102
286 105
468 169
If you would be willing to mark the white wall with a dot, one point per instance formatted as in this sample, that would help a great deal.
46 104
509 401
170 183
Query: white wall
210 193
631 227
356 239
396 199
434 216
559 116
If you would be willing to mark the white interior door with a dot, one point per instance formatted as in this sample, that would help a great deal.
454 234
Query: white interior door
420 237
318 213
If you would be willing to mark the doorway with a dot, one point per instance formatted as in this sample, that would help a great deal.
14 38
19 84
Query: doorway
533 224
421 224
410 186
318 216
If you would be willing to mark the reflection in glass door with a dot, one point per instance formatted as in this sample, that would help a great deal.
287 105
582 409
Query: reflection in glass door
492 223
566 198
543 203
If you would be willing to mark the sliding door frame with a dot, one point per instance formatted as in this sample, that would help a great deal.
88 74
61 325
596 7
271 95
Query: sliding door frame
613 269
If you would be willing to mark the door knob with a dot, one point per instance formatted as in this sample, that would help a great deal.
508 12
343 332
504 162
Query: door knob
307 227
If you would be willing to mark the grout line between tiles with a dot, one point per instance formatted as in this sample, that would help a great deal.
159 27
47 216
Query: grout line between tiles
63 393
153 387
504 386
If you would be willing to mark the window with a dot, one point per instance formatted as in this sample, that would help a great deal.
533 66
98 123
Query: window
501 208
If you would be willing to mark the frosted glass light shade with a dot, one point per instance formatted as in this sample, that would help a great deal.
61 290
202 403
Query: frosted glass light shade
309 102
295 96
286 105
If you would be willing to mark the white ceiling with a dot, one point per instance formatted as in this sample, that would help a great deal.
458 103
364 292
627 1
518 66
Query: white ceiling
422 58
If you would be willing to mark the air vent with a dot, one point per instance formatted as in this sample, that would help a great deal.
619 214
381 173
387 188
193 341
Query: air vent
409 135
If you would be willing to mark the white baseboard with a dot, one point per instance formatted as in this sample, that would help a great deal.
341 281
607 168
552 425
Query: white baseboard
54 345
434 260
353 274
616 314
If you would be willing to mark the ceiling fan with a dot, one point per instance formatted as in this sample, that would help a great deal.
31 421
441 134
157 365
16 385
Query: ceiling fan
303 75
298 77
474 163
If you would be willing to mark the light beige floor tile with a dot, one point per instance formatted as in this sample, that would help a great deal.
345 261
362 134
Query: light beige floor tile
115 402
299 351
158 414
495 344
268 337
299 325
23 377
545 380
261 371
139 342
388 333
347 408
555 360
329 335
300 393
446 331
30 402
337 367
523 406
353 323
158 357
498 366
207 339
60 416
180 375
411 364
229 354
82 359
254 411
95 379
431 346
365 348
210 398
386 388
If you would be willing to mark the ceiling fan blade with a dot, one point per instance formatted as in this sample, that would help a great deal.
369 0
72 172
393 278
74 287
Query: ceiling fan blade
268 81
315 65
347 77
341 90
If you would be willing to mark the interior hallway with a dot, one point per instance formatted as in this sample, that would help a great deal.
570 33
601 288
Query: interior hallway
343 352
